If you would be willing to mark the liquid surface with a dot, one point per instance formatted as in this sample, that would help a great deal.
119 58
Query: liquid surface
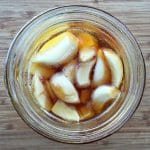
76 71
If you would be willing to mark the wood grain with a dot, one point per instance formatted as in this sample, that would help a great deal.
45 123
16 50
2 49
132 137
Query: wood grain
16 135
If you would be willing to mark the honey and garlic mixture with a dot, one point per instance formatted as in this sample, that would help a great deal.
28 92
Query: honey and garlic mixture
74 78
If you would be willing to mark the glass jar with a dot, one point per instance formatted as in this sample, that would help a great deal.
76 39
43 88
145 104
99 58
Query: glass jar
16 77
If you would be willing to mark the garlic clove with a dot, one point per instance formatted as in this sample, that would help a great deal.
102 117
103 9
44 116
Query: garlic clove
115 65
102 74
58 50
64 89
103 95
87 54
40 93
83 72
65 111
69 70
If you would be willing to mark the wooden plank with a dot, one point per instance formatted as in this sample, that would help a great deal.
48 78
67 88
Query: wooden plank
16 135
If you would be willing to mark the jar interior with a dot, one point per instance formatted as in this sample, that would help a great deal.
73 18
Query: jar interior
106 39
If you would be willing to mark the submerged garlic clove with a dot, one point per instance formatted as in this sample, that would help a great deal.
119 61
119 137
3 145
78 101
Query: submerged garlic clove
58 50
102 73
40 92
87 54
103 95
116 66
65 111
64 89
83 72
69 70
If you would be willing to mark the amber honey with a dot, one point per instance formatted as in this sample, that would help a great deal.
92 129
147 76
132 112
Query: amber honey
76 71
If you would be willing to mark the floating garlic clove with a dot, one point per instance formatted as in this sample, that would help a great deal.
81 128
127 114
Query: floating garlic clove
69 70
83 73
87 54
101 71
87 40
58 50
115 65
64 89
102 95
40 93
65 111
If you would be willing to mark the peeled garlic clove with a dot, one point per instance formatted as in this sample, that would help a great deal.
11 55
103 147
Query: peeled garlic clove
58 50
65 111
101 71
64 89
40 93
44 102
37 85
115 65
85 112
102 95
87 54
83 73
69 70
87 40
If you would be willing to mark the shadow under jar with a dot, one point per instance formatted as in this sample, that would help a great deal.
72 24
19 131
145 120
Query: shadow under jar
111 33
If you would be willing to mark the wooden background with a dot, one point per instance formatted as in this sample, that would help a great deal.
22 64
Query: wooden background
16 135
